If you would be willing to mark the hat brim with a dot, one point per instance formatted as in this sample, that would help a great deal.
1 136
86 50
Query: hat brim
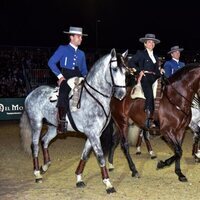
181 49
75 33
145 39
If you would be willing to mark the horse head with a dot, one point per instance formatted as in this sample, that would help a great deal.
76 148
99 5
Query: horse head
118 73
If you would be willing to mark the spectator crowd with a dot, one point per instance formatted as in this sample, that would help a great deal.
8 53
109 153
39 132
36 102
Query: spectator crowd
22 65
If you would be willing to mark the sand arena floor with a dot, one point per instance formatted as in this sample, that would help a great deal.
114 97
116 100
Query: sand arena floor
59 183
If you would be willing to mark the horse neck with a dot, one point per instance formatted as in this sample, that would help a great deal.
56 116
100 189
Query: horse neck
184 89
97 78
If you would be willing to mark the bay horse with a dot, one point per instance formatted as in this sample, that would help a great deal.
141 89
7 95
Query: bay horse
174 115
105 79
139 135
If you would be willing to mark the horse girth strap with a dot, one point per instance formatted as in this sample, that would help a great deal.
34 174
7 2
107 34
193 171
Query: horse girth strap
157 99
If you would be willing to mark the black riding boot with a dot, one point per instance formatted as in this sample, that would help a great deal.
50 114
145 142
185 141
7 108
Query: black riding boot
149 120
62 123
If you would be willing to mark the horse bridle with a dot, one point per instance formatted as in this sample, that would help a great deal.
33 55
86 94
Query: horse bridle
104 95
190 102
113 82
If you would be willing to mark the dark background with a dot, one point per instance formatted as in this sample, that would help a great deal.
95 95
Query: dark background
109 24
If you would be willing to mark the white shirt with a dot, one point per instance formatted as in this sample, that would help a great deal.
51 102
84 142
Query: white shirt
151 56
176 60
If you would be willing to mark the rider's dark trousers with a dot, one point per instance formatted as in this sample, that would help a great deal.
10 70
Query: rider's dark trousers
63 99
146 83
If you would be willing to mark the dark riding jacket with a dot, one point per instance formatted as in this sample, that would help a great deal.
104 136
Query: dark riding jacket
141 61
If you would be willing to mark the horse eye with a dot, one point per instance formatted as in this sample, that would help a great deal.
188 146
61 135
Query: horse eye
114 69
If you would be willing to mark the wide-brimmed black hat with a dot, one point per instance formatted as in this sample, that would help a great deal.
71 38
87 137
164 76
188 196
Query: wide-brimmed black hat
175 48
75 30
149 36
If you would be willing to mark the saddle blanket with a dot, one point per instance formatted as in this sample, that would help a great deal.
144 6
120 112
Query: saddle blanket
137 91
72 82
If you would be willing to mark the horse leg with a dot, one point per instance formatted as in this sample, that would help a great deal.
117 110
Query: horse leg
102 162
115 142
125 148
195 149
123 132
195 145
51 133
85 154
35 151
161 164
178 155
196 138
175 158
139 143
94 143
148 144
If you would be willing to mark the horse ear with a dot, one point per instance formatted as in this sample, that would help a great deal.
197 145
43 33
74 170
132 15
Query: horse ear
125 53
113 53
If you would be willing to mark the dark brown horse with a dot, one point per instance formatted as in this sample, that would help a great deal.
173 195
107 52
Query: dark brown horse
174 115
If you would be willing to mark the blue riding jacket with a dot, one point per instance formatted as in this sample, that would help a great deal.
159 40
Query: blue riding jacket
172 66
69 58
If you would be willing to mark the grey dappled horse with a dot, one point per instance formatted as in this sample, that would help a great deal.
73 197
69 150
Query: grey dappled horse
105 79
195 126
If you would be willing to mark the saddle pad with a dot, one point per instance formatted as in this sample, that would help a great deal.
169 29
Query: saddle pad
71 82
137 91
54 95
74 81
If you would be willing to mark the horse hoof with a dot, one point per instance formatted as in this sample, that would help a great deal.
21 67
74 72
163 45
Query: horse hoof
38 180
138 153
160 164
110 190
42 171
182 179
197 160
110 166
111 169
136 175
80 184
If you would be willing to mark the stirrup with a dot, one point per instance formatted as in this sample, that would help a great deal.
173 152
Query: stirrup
62 126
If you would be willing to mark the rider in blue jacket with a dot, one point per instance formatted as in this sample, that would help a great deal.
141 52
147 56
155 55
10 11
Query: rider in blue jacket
72 62
174 64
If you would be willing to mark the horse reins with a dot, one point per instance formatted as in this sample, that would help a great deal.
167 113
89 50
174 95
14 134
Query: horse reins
167 80
104 95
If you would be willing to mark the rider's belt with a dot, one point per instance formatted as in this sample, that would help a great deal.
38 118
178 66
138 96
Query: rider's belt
149 72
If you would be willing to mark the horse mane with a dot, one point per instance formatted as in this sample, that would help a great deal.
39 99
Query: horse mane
123 61
99 60
120 59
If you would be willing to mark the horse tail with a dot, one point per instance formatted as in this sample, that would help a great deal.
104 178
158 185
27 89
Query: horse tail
133 134
25 133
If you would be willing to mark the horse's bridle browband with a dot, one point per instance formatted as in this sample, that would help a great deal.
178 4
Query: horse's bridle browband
114 85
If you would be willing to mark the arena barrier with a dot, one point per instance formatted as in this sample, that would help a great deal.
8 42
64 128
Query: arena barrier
11 108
